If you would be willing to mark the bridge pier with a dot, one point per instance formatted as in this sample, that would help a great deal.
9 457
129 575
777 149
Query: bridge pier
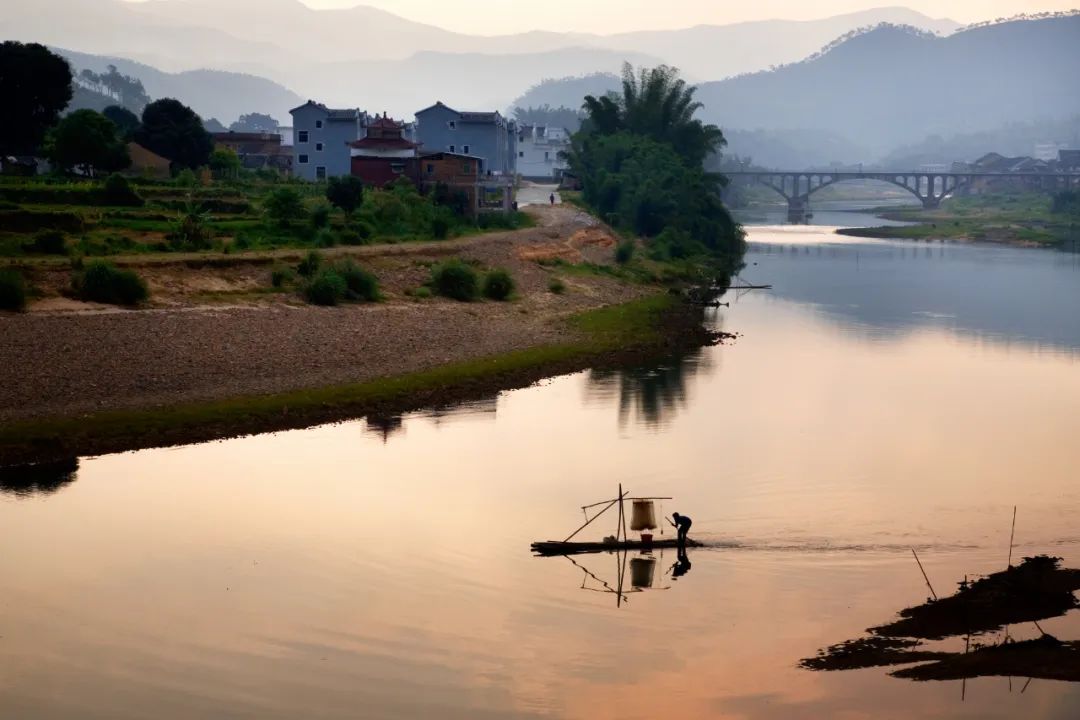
930 202
798 209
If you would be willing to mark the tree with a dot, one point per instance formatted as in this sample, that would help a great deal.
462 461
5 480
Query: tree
126 122
86 140
546 115
656 103
35 85
640 159
256 123
126 90
174 131
345 192
213 125
224 162
284 206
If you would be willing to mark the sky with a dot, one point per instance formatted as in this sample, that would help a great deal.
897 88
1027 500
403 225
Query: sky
489 17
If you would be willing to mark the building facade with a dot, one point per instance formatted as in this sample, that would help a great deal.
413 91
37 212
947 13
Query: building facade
384 154
321 139
485 135
538 150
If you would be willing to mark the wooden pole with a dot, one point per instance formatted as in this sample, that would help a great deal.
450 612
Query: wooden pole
588 522
924 574
1012 535
622 512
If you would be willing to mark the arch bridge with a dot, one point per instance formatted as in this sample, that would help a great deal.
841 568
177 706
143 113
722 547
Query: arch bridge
929 187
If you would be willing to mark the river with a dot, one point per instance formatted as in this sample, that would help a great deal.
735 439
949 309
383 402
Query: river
883 396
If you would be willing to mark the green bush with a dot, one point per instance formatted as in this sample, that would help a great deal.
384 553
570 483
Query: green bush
281 275
498 285
556 286
118 191
12 290
320 216
310 264
186 178
326 288
284 206
48 242
325 238
454 279
422 293
103 282
360 283
624 251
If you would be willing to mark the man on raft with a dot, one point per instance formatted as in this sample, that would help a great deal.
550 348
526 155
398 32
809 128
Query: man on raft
682 524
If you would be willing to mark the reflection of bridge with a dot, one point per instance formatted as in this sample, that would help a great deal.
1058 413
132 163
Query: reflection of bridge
930 187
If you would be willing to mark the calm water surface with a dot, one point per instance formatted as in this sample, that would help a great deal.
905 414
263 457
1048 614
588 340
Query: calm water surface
883 396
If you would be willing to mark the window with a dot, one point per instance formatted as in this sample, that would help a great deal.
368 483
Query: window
320 173
318 148
302 136
465 149
318 124
547 155
466 168
397 168
302 159
453 149
521 153
452 124
430 169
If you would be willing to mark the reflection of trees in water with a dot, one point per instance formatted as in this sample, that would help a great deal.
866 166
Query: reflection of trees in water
653 393
387 425
43 478
384 425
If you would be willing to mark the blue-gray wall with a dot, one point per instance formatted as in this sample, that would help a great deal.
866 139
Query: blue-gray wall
495 142
335 136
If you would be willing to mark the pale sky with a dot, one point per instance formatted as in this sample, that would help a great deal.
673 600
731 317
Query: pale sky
488 17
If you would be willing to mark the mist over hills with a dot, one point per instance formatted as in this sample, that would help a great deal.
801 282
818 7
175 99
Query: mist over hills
363 56
892 86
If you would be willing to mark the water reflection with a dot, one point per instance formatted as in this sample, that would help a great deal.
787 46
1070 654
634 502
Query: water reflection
1037 589
649 395
384 425
885 289
39 479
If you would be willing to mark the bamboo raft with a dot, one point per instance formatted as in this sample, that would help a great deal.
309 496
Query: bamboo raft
552 548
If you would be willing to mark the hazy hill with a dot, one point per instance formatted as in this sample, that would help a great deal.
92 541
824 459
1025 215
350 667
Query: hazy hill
282 38
892 86
211 93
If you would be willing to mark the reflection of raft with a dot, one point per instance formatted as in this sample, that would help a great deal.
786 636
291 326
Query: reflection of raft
555 547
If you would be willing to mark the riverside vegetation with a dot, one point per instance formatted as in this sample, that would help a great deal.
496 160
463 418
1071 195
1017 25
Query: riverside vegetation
1036 219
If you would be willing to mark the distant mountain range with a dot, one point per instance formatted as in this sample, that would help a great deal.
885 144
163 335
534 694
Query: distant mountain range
887 87
211 93
371 58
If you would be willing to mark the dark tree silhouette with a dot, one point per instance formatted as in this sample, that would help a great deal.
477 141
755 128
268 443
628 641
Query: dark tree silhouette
256 123
35 85
126 122
86 141
174 131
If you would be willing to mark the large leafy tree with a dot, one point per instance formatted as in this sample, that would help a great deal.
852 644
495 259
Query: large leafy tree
174 131
345 192
86 140
126 122
35 86
640 158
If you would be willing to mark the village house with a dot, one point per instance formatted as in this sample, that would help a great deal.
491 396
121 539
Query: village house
539 149
383 154
321 140
257 151
464 174
147 164
485 135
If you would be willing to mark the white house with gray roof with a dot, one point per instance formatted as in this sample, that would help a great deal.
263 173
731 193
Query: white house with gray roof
321 138
539 148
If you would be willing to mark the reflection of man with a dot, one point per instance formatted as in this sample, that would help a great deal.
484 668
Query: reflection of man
682 524
682 565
